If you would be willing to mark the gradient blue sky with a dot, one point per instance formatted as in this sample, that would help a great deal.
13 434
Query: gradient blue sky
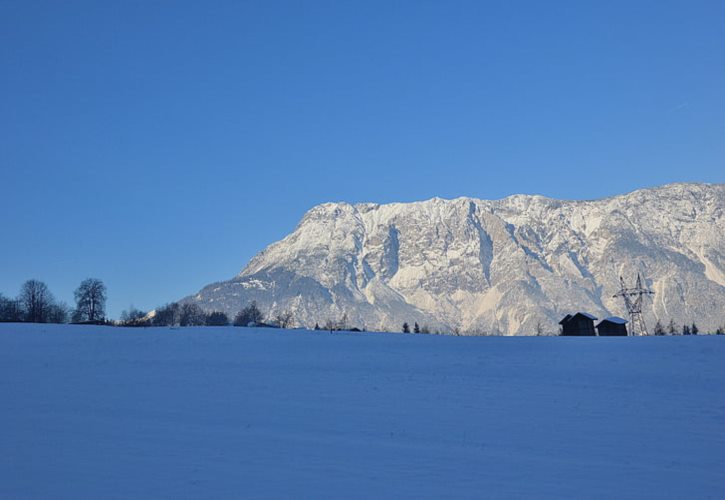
160 145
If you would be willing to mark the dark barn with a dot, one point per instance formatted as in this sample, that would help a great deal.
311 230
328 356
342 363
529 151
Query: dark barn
580 324
613 326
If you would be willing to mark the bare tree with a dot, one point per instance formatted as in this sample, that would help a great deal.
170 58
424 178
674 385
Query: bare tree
58 312
342 324
249 315
539 329
167 315
284 319
133 317
339 325
10 310
90 301
36 300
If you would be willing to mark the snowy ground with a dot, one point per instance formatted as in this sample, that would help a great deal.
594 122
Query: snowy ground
94 412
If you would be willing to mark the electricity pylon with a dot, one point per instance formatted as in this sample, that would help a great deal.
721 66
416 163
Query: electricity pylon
633 298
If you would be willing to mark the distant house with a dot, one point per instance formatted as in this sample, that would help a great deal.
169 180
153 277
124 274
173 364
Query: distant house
580 324
614 326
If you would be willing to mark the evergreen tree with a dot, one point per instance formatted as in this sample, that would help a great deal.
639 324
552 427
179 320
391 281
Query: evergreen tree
416 328
317 326
685 330
693 329
671 328
659 329
406 328
217 318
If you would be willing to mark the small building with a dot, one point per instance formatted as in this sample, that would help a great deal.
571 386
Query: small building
614 326
580 324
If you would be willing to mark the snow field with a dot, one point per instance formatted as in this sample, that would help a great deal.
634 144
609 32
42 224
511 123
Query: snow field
98 412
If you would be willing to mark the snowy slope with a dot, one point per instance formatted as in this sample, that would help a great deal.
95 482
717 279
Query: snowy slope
94 412
492 266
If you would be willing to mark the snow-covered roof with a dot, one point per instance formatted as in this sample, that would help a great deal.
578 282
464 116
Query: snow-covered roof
615 319
570 316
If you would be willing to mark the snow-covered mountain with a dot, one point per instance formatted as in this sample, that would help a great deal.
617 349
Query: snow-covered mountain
501 266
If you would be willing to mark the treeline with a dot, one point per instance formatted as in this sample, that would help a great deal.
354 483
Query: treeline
174 314
36 304
190 314
673 329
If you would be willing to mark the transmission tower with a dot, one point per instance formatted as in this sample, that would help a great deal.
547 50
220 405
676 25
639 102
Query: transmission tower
633 302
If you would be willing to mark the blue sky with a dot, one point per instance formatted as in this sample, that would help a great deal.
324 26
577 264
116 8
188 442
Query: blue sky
160 145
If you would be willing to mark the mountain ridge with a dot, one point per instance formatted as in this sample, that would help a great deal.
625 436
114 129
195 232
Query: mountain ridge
491 266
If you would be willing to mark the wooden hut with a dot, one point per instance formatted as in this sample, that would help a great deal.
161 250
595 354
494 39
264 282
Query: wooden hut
614 326
580 324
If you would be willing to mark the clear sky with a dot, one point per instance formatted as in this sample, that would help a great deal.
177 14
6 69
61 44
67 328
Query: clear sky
159 145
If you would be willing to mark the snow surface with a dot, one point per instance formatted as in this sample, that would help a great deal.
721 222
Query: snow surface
98 412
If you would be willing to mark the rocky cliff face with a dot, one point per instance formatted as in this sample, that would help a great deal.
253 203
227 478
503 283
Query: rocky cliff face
500 266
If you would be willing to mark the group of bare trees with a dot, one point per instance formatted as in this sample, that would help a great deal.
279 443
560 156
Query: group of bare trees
333 325
343 324
36 304
133 317
249 316
174 314
190 314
